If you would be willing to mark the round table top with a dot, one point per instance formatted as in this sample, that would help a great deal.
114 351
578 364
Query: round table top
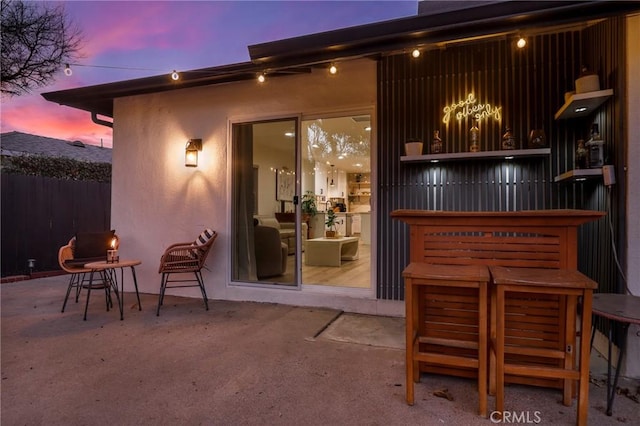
122 263
618 307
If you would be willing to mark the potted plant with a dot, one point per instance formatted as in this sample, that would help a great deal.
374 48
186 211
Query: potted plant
413 146
331 224
308 205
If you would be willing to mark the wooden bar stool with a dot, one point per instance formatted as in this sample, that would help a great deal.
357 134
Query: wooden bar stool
568 284
447 322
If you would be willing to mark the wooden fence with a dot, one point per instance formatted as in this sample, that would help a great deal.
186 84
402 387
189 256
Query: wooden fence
40 214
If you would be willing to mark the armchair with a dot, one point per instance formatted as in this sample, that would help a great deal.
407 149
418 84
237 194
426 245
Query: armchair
184 258
82 249
270 251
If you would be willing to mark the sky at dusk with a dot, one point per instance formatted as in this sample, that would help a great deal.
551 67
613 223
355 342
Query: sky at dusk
124 40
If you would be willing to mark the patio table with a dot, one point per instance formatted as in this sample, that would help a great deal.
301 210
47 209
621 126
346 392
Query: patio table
625 310
111 276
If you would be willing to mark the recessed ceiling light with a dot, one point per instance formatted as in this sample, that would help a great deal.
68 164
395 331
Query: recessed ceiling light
289 134
368 128
581 109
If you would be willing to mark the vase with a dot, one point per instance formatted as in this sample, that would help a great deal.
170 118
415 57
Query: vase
413 148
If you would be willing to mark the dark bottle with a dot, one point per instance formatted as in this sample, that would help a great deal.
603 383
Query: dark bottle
508 141
595 146
581 156
436 144
474 137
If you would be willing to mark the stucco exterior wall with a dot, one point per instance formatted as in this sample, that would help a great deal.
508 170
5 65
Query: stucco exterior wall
157 201
632 361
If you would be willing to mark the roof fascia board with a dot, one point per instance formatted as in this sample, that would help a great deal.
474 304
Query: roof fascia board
428 29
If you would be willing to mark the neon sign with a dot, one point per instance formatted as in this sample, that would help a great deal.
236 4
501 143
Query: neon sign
470 108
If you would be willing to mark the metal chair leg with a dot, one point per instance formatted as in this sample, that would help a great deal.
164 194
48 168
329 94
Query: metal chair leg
163 286
72 282
611 390
204 292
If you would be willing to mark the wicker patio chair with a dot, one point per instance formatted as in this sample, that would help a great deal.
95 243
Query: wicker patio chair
186 258
79 275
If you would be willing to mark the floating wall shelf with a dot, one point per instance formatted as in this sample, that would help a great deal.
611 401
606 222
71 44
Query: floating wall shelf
583 104
578 175
503 154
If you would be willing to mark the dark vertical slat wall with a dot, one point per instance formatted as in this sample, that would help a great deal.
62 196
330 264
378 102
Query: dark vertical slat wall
529 86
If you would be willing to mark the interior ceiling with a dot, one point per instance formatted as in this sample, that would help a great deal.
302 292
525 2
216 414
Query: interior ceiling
344 142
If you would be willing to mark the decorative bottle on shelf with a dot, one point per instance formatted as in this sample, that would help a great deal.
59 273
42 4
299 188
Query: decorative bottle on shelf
474 137
436 144
595 146
508 141
581 156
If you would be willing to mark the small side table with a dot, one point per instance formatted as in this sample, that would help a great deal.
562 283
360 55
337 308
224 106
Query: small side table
110 269
624 309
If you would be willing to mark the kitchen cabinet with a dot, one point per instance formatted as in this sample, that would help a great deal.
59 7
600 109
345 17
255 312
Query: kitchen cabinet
359 191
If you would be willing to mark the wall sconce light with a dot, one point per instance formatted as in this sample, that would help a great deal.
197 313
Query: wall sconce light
191 152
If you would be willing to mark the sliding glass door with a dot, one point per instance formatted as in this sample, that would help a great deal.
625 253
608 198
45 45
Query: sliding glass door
265 232
276 242
336 169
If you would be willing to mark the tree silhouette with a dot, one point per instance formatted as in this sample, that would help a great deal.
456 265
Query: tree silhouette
37 39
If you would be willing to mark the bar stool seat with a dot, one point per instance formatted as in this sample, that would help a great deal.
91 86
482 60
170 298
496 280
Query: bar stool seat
568 284
447 322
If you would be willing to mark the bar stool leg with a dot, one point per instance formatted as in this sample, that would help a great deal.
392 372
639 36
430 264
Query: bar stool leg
583 394
569 346
499 349
482 349
492 339
411 311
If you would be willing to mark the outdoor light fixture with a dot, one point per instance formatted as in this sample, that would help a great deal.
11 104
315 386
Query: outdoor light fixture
261 78
191 152
333 69
415 53
67 70
521 43
175 76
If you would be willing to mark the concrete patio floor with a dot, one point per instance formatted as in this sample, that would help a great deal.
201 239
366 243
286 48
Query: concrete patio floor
236 364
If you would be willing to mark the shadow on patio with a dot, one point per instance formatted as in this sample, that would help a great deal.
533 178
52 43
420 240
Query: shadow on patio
238 363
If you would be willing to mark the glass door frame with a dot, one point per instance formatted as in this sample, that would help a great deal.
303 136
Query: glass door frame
297 278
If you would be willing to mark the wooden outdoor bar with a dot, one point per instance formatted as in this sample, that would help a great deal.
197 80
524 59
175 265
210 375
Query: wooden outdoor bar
530 289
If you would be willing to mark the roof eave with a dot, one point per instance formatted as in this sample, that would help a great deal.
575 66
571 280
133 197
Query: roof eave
398 34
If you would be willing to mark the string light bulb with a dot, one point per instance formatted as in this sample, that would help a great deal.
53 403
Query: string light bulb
67 70
521 43
175 76
333 69
261 78
415 53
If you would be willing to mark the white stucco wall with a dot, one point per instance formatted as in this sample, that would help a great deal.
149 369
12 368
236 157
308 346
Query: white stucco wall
157 201
631 366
